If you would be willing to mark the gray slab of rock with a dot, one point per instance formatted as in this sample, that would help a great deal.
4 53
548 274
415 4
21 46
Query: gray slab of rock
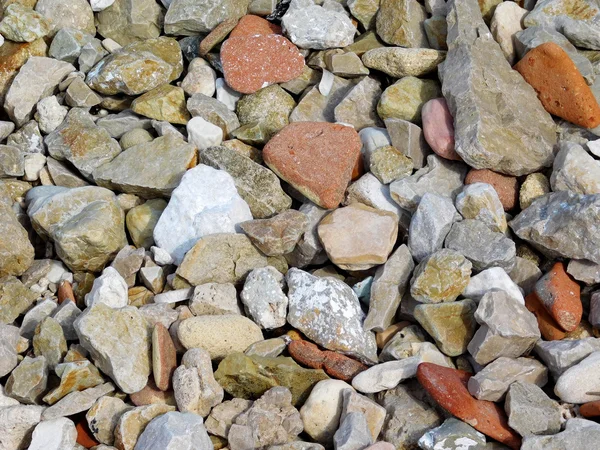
401 62
408 138
56 434
223 415
575 385
585 271
67 44
127 21
493 381
77 402
213 111
9 340
575 170
374 413
128 262
119 124
309 249
583 34
318 28
191 17
507 328
490 130
453 434
214 299
562 224
552 12
353 433
525 274
263 297
17 423
316 107
109 288
27 382
493 278
28 139
15 299
399 22
12 162
339 309
579 433
175 431
35 315
558 356
103 416
358 107
531 411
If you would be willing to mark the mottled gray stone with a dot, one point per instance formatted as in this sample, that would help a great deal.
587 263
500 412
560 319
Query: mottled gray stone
353 433
453 434
358 108
530 410
558 356
584 271
579 433
127 21
408 138
480 201
27 382
175 431
575 385
575 170
91 54
191 17
67 14
119 124
213 111
583 34
263 297
507 129
525 274
552 12
12 162
316 107
214 299
67 44
17 423
9 340
279 234
374 413
309 249
399 22
28 138
77 401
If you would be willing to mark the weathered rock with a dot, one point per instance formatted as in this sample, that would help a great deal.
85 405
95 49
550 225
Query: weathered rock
318 28
28 380
15 299
531 411
278 235
215 299
400 23
585 271
352 433
103 416
16 253
345 64
575 170
133 422
452 434
480 201
358 107
188 18
389 164
14 56
78 94
578 433
141 221
263 298
49 342
110 288
403 62
309 249
8 348
506 23
494 278
200 78
164 102
74 376
213 111
129 21
76 14
318 107
574 387
56 434
405 98
175 430
77 402
223 416
21 24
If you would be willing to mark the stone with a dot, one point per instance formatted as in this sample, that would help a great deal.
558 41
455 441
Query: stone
269 348
14 56
388 287
277 235
91 54
436 30
49 114
585 271
448 388
313 147
318 28
263 298
138 67
560 355
226 95
164 102
74 376
127 263
78 94
580 33
345 64
249 377
37 78
76 14
203 134
483 247
141 221
506 22
480 201
534 186
119 124
579 433
151 395
438 128
28 381
175 430
15 299
200 78
77 401
130 21
12 162
33 164
525 274
365 11
220 335
110 288
400 23
494 380
213 111
408 139
507 188
374 414
17 423
54 434
507 328
493 278
318 107
517 148
189 18
374 233
550 12
49 341
8 348
21 24
222 416
389 164
531 411
103 416
122 350
16 255
453 433
214 299
574 387
309 249
82 143
405 98
132 423
28 139
575 170
135 137
164 357
358 107
401 62
353 433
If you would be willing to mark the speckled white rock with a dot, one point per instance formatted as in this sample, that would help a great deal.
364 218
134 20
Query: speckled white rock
200 78
109 288
49 114
263 297
203 134
205 202
373 138
175 431
577 384
16 423
56 434
490 279
318 28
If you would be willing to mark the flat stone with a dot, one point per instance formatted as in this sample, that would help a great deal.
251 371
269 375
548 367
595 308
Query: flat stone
269 348
579 433
8 348
506 23
119 124
126 22
214 299
365 11
517 148
16 254
110 288
78 94
315 106
132 423
54 434
574 387
575 170
49 341
103 416
409 139
77 402
353 432
151 395
401 62
550 12
188 18
173 430
76 14
525 274
585 271
28 381
21 24
141 221
452 434
389 164
15 299
358 107
318 28
400 23
405 98
374 414
74 376
164 102
277 235
531 411
164 356
345 64
560 355
263 298
480 201
213 111
12 162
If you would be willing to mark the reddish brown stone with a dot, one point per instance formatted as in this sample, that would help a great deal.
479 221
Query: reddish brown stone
250 25
65 292
448 387
548 327
505 186
359 168
341 366
84 435
591 409
560 295
306 353
316 158
559 85
151 394
251 63
216 36
164 357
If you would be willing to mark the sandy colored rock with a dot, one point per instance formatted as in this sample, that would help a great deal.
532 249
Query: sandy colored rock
405 98
127 21
12 57
165 102
401 62
534 186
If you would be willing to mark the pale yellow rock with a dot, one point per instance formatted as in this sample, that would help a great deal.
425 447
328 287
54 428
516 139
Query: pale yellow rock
165 102
534 186
141 221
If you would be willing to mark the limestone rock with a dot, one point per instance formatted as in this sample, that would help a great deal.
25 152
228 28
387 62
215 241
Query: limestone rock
127 21
215 299
400 23
165 102
575 170
531 411
401 62
353 432
14 56
578 433
141 221
103 416
405 98
189 17
480 201
49 341
315 106
506 23
574 387
263 297
74 376
8 348
175 430
16 424
223 415
452 434
56 434
493 278
28 380
77 401
318 28
358 107
76 14
213 111
133 422
309 249
16 254
21 24
558 356
109 288
277 235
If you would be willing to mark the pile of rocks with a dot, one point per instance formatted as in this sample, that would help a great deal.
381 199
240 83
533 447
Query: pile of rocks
299 224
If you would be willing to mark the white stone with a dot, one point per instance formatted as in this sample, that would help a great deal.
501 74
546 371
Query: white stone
109 288
318 28
16 423
205 202
65 315
594 147
175 431
110 45
215 299
489 279
100 5
580 383
326 82
559 356
56 434
5 400
507 21
226 95
372 192
35 315
177 295
203 134
575 170
153 278
322 410
200 78
50 114
480 201
161 256
34 163
263 297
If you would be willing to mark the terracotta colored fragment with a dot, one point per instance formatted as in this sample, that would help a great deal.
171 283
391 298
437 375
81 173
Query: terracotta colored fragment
341 366
560 295
438 128
316 158
151 394
359 168
251 25
559 85
216 36
85 437
306 353
506 187
164 357
251 63
65 292
383 337
548 327
448 387
591 409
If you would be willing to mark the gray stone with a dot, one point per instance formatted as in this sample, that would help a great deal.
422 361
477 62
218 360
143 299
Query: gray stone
318 28
190 17
581 33
401 62
338 324
559 356
453 434
12 162
67 44
353 433
76 14
77 402
49 342
103 416
575 170
15 299
374 414
224 414
584 271
525 274
436 30
493 381
16 253
213 111
358 107
552 12
127 21
562 224
78 94
409 139
127 263
28 138
277 235
27 382
400 23
119 124
506 130
531 411
314 106
269 348
309 249
575 386
22 24
507 328
9 341
263 297
494 278
480 201
91 54
17 423
175 431
214 299
579 433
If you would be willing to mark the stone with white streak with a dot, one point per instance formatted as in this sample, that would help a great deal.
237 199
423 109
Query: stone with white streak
109 288
494 278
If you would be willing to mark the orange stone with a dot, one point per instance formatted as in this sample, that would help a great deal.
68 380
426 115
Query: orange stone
548 327
164 357
85 437
341 366
306 353
359 168
65 292
251 25
216 36
560 295
316 158
506 187
448 387
560 86
591 409
251 63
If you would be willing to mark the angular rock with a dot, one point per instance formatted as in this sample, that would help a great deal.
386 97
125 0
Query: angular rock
506 23
318 28
494 278
141 221
21 24
263 297
531 411
453 433
358 107
133 422
573 386
578 433
16 424
213 111
189 18
389 164
103 416
401 62
409 139
164 102
278 235
78 94
74 376
222 416
13 56
54 434
175 430
16 254
353 433
214 299
405 98
318 107
164 356
77 402
8 348
480 201
76 14
49 341
28 380
110 288
400 23
309 249
575 170
15 299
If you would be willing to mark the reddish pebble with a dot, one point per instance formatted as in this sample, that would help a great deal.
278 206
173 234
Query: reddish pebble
250 25
560 86
359 168
65 292
151 394
85 437
548 327
341 366
448 387
251 63
306 353
316 158
164 357
560 295
591 409
505 186
438 128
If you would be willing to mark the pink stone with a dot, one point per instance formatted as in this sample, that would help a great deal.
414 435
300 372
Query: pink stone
381 446
438 128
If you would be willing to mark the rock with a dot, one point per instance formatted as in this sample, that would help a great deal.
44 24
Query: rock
8 348
132 423
16 424
448 388
494 380
358 107
551 12
308 294
103 416
14 56
82 143
506 187
454 433
401 62
166 160
263 298
374 414
74 376
203 134
119 124
49 114
438 128
121 350
345 65
138 67
21 24
579 433
78 94
215 299
141 221
353 433
574 238
188 18
516 148
483 247
196 390
507 328
452 325
110 288
91 54
164 102
54 434
220 335
405 98
174 430
151 395
222 416
278 235
27 382
213 111
560 355
251 376
37 78
374 233
506 23
480 201
68 14
318 28
408 139
388 287
493 278
575 170
309 249
200 78
269 348
49 341
534 186
313 147
531 411
365 11
317 107
127 22
12 162
389 164
127 263
574 387
15 299
585 271
400 23
16 255
164 356
77 402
